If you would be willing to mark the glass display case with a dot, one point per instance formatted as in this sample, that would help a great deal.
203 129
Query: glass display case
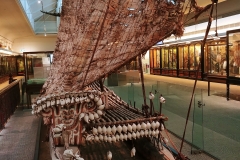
7 65
189 58
194 56
172 58
36 70
37 64
234 53
21 68
216 58
155 61
169 60
233 59
164 52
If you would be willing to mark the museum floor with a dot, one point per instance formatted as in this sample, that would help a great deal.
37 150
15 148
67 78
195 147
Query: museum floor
213 126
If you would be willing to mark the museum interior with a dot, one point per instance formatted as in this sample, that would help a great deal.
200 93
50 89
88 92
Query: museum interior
181 69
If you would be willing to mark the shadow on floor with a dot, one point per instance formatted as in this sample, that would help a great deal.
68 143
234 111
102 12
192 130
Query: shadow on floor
231 96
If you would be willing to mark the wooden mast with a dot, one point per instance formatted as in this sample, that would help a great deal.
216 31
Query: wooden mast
98 39
142 80
202 46
145 106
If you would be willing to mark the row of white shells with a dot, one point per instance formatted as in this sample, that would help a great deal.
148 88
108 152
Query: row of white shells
70 95
91 116
125 136
87 97
127 128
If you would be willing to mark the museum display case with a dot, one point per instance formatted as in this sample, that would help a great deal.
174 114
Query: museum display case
154 54
189 58
37 64
7 66
233 59
21 68
36 75
215 61
169 60
216 57
234 53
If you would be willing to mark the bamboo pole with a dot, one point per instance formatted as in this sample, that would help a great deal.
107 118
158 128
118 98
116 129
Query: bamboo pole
142 80
128 121
190 104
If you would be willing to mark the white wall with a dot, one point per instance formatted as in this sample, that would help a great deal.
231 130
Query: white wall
34 43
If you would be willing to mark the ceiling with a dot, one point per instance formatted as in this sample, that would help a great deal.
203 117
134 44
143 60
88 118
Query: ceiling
40 22
14 21
15 24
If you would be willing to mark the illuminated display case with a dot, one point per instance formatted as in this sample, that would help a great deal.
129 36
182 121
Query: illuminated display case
233 59
169 60
234 53
183 57
216 58
164 58
7 66
21 68
189 58
155 61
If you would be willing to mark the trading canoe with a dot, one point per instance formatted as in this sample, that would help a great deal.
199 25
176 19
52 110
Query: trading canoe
95 38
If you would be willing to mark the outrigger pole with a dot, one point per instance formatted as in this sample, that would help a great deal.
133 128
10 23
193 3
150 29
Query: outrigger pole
202 49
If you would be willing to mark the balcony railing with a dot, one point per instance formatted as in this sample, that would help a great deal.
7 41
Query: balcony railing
9 100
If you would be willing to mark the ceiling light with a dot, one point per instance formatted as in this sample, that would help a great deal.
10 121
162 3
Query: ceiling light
5 51
216 37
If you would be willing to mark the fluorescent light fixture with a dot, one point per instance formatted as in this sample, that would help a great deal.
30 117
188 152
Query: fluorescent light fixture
5 51
216 37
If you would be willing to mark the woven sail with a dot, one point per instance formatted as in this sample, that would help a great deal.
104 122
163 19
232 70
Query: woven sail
97 37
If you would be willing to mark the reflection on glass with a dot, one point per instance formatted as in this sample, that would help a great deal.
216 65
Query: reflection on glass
191 57
38 65
197 56
234 54
172 58
165 58
180 51
217 59
155 60
158 59
156 55
7 65
185 58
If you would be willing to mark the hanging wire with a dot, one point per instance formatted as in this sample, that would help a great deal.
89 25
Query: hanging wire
44 24
216 33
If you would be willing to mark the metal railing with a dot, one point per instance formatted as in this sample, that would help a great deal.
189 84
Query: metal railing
9 100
